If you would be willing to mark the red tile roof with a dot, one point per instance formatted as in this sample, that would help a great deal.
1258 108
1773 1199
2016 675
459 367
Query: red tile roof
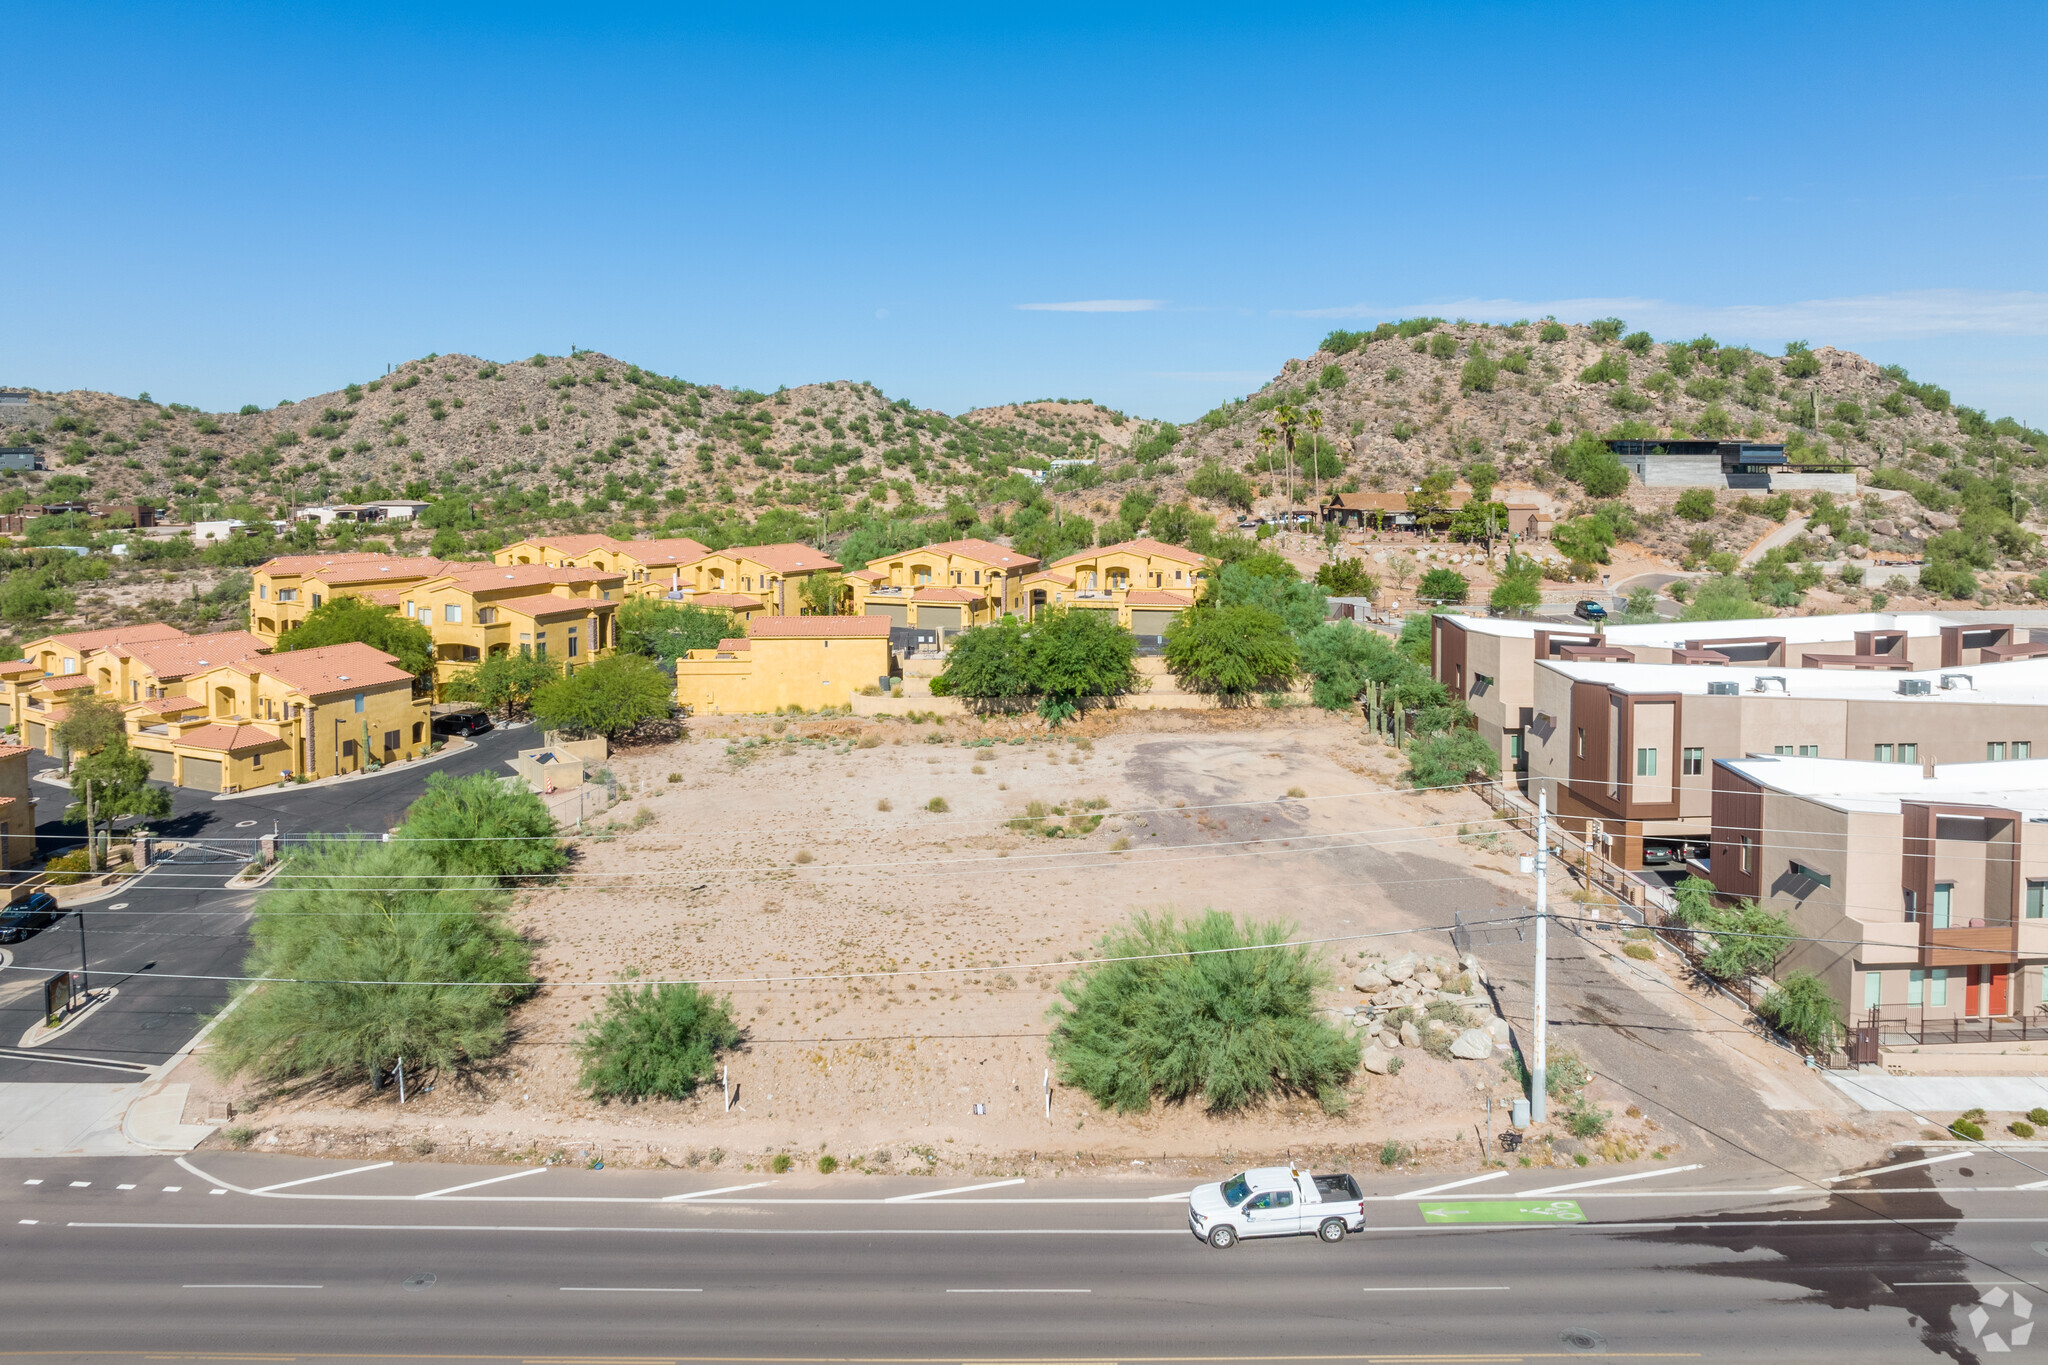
728 601
386 569
675 550
947 594
785 558
574 545
489 577
817 627
328 669
868 575
1158 597
232 739
171 660
86 641
729 646
165 705
68 682
13 750
305 564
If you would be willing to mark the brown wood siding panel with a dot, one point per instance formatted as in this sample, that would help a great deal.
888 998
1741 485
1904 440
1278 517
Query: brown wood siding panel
1738 811
1590 770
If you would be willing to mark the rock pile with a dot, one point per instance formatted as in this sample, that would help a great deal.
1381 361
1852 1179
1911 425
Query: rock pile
1414 982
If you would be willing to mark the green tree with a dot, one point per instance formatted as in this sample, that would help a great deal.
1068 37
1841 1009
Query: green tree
1586 539
1210 1008
1253 583
1230 652
1077 657
1483 476
503 682
656 1042
478 825
1800 361
822 593
1802 1008
666 630
1444 585
1696 504
611 697
1450 757
1519 587
1610 368
1213 483
1724 598
989 667
28 596
1340 658
90 722
108 783
1747 938
1346 578
446 544
346 620
367 952
1588 463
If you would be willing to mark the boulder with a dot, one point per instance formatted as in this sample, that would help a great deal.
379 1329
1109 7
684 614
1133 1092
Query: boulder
1858 551
1940 521
1564 1146
1884 526
1374 1028
1388 1038
1428 980
1370 980
1497 1029
1401 968
1377 1060
1411 1036
1474 1044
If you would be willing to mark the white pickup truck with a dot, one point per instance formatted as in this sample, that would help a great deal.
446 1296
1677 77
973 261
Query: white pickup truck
1276 1201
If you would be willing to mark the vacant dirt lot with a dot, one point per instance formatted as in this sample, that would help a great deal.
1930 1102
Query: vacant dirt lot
787 861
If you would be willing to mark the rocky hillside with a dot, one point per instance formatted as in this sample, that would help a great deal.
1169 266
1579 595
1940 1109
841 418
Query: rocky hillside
576 427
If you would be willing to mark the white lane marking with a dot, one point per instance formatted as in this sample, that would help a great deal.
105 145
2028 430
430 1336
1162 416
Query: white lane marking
1787 1189
749 1232
252 1286
958 1189
216 1191
532 1170
1020 1291
31 1182
2037 1185
1432 1288
621 1289
172 1189
331 1175
1902 1166
28 1222
1933 1284
1610 1180
706 1194
124 1187
1157 1198
1455 1184
81 1184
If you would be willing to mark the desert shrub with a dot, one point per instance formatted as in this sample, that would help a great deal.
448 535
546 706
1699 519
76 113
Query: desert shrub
1802 1009
1450 758
1393 1153
1641 952
370 952
2020 1128
1443 345
476 825
1606 330
1444 585
1968 1131
885 805
1553 331
1564 1074
1585 1119
1696 504
657 1041
1480 375
1638 342
2038 1117
781 1164
827 1164
1748 938
1214 1009
1610 368
1230 652
1588 463
937 805
238 1135
68 869
1975 1115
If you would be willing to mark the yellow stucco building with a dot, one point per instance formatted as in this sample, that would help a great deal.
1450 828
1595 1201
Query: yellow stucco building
1145 582
944 587
283 590
65 654
773 573
805 661
131 671
485 609
653 568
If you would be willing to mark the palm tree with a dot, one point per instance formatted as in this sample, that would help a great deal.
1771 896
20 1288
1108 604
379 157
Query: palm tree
1265 440
1287 419
1315 427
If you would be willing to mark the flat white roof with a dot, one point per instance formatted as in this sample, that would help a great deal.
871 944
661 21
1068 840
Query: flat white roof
2020 682
1793 630
1850 785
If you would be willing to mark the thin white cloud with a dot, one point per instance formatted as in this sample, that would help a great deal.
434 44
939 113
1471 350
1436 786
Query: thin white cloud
1863 317
1214 376
1096 306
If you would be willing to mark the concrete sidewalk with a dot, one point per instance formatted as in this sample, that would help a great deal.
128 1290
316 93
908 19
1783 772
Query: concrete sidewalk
57 1120
1940 1095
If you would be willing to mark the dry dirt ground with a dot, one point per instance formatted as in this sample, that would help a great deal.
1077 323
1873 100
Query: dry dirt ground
785 862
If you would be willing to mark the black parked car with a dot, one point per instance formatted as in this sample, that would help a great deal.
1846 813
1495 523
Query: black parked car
1589 610
462 723
24 917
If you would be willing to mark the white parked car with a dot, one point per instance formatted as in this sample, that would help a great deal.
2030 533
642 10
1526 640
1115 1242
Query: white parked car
1276 1201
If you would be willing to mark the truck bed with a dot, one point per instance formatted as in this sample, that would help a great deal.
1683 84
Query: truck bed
1335 1189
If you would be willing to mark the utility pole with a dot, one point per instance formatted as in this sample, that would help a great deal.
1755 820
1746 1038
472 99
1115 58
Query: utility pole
1539 1078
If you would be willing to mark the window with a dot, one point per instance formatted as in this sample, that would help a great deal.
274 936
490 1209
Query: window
418 727
255 760
2022 748
348 748
359 703
1480 682
1695 762
1582 741
1809 751
1873 990
1782 750
1812 874
1944 893
486 616
316 599
262 592
1994 752
1883 753
390 739
1744 864
1912 906
451 612
1646 763
1916 986
2037 899
1937 985
1909 753
572 642
287 594
540 649
71 665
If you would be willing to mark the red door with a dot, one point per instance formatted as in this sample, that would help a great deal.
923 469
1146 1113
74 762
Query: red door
1973 993
2001 978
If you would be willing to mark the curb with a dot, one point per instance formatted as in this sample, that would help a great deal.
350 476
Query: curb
31 1039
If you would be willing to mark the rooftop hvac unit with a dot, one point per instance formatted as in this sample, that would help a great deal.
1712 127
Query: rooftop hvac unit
1723 689
1915 687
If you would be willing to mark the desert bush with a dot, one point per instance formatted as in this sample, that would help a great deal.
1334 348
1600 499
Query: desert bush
1230 652
1968 1131
781 1164
657 1041
937 805
1641 952
238 1135
1393 1153
2020 1128
1695 504
1450 758
476 825
1552 331
1585 1119
1802 1009
1606 330
1610 368
2038 1117
827 1164
1215 1009
1444 585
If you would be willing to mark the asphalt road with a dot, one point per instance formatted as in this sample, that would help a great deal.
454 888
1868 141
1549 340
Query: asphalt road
179 920
150 1258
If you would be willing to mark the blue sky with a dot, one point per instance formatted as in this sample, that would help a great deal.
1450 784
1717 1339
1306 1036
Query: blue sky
228 205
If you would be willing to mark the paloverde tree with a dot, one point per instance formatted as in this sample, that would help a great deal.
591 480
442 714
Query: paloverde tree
476 824
1229 653
351 620
611 697
1066 660
665 630
109 779
503 682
